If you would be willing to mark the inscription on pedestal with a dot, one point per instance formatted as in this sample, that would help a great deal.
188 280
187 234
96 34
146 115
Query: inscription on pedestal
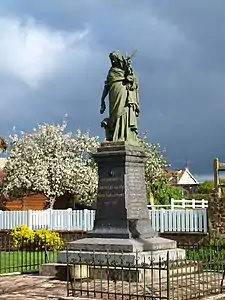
111 193
111 188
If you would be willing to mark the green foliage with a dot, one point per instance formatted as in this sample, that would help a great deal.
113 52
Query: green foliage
214 251
205 191
155 168
198 196
163 191
206 187
24 237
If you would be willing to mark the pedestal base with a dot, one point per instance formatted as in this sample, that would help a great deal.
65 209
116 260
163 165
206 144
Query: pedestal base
111 251
118 259
121 245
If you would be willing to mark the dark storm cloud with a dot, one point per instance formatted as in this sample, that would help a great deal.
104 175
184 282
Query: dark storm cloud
180 63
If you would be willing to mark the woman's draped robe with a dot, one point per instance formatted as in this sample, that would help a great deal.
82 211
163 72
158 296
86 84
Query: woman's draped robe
123 106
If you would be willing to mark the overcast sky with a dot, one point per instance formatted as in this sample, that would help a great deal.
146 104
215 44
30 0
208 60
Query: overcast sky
54 60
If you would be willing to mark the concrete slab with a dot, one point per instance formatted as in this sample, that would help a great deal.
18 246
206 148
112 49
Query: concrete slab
121 245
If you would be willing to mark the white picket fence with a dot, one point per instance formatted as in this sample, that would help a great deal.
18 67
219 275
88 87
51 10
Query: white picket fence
188 220
161 220
183 204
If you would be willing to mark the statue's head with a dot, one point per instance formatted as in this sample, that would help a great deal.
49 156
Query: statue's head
116 58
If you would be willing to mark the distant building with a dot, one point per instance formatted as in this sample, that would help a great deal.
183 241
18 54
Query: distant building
2 165
2 162
183 178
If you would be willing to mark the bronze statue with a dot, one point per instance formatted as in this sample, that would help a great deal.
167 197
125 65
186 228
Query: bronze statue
121 86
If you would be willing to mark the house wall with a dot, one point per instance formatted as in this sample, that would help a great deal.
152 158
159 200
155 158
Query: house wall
30 202
35 202
186 179
2 162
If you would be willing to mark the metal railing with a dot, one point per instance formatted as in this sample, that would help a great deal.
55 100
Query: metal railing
24 259
128 276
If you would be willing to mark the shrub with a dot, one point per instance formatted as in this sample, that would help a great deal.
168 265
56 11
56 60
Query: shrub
22 236
41 239
47 239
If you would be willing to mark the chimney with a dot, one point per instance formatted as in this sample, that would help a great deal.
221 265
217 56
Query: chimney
187 165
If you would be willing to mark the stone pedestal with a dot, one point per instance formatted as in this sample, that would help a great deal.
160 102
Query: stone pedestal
122 223
121 201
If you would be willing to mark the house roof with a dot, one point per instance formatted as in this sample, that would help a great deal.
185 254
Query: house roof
170 173
175 175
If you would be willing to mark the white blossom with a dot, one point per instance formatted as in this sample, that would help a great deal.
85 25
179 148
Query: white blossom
156 163
53 162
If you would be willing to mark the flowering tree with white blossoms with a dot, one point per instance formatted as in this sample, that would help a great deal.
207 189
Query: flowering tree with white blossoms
156 162
53 162
156 166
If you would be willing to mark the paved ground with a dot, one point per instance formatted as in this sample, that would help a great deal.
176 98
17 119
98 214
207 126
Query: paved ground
21 287
27 287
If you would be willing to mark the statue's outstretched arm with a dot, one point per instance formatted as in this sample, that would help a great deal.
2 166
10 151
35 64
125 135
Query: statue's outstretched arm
104 95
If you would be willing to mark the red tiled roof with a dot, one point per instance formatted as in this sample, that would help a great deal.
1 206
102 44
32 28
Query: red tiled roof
174 175
2 174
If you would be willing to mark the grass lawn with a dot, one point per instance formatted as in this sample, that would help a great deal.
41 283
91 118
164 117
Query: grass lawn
21 261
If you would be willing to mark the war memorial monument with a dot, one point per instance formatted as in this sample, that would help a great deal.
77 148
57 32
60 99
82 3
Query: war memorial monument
122 223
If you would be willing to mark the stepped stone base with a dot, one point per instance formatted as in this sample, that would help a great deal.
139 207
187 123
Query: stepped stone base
118 259
122 245
128 274
89 254
102 264
120 251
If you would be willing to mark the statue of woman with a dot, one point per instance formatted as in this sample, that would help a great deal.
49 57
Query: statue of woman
121 86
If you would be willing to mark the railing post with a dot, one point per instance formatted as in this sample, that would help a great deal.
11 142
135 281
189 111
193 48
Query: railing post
172 203
1 220
69 218
168 277
205 221
203 203
200 221
152 218
50 219
162 225
29 219
84 221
